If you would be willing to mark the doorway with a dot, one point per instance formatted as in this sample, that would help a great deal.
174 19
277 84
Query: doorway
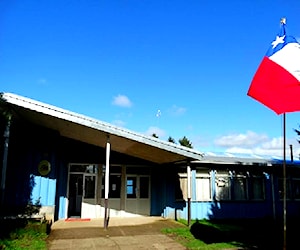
138 194
82 188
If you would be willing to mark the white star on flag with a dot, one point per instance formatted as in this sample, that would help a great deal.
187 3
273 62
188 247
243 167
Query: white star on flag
279 39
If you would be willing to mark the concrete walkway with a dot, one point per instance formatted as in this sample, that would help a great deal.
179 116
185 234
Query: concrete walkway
122 233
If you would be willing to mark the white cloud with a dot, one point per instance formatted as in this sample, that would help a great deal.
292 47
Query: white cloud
246 140
122 101
177 111
155 130
119 123
254 144
42 81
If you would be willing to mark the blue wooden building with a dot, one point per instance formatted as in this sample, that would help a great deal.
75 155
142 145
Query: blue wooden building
73 164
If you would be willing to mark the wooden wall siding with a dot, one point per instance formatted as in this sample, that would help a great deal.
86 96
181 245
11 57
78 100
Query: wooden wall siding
44 189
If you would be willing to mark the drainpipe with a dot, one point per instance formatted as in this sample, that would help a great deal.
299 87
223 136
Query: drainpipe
273 196
5 153
189 192
106 189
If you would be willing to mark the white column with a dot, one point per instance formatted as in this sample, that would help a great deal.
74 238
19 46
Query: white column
106 187
189 182
189 192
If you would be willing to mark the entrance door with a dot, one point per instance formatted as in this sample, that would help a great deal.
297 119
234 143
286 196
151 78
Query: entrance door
75 194
82 190
138 194
82 194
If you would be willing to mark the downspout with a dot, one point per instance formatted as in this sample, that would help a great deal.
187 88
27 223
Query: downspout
189 192
273 196
5 154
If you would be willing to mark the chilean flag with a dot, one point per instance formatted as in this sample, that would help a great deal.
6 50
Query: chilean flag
276 84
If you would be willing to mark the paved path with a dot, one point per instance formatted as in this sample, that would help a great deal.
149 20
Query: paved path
122 234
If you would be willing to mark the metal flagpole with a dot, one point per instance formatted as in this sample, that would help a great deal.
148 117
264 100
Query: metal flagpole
284 184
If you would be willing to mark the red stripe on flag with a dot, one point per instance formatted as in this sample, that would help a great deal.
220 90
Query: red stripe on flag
275 87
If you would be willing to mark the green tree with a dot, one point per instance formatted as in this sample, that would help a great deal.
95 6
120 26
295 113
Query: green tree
185 142
298 133
171 139
155 135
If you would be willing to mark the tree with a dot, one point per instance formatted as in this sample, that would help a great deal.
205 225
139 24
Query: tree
185 142
171 139
155 135
298 133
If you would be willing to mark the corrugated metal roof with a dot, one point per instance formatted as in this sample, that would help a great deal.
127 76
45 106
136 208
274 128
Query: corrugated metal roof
234 160
96 132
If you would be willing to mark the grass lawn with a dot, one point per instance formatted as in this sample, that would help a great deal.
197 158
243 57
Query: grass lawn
201 234
23 234
235 234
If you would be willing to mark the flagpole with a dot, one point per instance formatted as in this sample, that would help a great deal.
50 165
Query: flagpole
282 22
284 184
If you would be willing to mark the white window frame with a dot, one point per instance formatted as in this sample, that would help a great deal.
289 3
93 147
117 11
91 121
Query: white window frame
203 186
222 186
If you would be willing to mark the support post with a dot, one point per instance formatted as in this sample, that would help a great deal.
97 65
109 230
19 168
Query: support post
106 188
189 192
4 162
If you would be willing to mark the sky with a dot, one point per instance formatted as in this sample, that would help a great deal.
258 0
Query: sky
173 68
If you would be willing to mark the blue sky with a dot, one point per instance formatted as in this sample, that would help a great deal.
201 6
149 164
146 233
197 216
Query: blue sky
123 61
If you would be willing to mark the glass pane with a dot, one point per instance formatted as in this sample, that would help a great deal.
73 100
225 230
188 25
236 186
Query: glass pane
144 187
115 186
203 190
222 188
75 185
183 187
131 187
89 188
258 188
296 188
92 169
239 188
84 168
77 168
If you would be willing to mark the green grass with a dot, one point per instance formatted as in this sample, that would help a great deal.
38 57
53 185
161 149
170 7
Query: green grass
25 235
233 234
186 238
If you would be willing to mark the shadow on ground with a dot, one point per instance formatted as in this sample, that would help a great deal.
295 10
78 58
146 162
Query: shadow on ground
249 234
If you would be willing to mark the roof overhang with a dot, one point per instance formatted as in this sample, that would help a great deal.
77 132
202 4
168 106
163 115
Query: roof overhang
225 160
92 131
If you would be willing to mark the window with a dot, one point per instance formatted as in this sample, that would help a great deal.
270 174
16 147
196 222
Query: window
296 189
114 182
144 187
203 187
131 187
227 186
181 194
115 186
222 185
257 191
239 186
84 168
89 186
